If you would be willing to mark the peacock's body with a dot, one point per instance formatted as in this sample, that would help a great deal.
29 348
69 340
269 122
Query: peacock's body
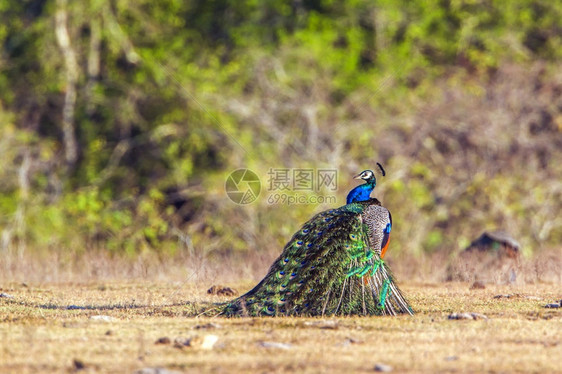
332 266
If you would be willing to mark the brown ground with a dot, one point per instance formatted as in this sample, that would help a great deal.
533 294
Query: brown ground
38 333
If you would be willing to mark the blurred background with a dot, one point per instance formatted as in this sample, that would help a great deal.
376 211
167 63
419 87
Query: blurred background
120 122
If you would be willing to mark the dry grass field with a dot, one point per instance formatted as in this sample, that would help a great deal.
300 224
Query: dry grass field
126 327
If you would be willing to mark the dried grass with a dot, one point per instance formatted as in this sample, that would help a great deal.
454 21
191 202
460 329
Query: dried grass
39 334
95 266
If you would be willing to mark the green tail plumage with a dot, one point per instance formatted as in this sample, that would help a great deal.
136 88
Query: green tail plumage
331 266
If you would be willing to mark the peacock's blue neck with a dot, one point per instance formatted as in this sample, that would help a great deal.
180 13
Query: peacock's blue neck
361 193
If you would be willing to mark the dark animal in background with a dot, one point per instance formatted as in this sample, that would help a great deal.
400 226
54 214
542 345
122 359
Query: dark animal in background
499 242
492 258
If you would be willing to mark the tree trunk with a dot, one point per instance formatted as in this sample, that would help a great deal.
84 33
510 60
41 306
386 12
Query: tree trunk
71 66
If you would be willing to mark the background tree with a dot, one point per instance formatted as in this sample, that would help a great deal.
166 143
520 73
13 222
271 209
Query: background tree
120 121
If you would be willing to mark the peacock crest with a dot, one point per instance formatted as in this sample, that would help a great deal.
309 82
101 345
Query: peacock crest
333 265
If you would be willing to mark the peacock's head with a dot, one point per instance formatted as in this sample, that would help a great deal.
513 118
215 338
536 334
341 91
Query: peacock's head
368 175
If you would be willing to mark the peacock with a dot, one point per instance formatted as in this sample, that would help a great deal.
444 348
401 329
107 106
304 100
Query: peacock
332 266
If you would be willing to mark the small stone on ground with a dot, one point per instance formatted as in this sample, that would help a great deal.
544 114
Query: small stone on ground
507 296
102 318
205 342
155 371
222 291
473 316
329 325
163 340
276 345
383 368
210 325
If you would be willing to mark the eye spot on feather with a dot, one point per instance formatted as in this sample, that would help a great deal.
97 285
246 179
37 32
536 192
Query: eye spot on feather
309 245
305 231
353 236
299 243
281 274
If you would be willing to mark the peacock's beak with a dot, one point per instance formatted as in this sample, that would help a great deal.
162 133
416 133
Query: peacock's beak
358 176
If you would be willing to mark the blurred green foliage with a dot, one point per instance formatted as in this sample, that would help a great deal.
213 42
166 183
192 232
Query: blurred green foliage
171 96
